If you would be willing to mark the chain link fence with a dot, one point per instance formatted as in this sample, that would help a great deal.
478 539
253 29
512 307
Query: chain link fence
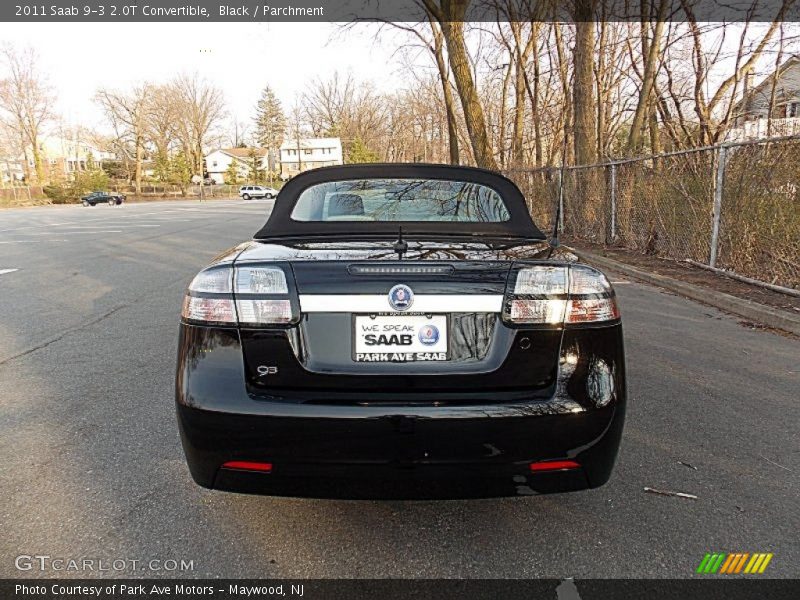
733 206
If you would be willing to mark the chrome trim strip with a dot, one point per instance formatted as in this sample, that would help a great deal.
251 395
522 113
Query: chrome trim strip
425 303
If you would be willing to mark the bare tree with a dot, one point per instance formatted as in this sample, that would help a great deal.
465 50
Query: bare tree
450 15
714 113
435 46
585 125
128 114
651 51
343 107
161 115
25 103
199 110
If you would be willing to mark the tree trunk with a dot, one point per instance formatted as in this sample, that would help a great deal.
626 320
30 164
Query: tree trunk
568 104
537 126
447 92
585 125
138 168
517 147
38 166
501 138
651 51
26 167
453 32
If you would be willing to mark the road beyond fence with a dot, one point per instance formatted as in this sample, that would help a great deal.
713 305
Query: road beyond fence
19 196
732 206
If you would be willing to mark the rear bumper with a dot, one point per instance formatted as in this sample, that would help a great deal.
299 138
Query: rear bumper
352 450
401 456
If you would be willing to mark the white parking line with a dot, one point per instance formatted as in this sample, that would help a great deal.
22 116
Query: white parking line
123 225
4 271
33 241
76 232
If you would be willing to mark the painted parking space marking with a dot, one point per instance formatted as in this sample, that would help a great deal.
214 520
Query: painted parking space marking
106 226
4 271
76 232
31 241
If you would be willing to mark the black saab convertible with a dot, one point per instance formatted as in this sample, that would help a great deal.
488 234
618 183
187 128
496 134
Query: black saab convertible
400 331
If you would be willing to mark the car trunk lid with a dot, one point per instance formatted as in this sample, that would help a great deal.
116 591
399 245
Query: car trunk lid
344 296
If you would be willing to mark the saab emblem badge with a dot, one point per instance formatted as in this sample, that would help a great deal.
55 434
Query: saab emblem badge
428 335
401 297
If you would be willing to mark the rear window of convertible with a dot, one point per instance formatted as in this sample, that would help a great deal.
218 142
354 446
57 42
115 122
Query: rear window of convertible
388 200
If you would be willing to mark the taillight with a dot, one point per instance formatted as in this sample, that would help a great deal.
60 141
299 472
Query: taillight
251 296
262 296
591 297
209 298
553 295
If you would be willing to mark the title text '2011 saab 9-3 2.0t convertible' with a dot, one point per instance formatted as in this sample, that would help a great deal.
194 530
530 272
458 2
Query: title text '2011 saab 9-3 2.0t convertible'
400 331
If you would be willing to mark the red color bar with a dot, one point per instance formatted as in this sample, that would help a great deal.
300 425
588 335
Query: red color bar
554 465
244 465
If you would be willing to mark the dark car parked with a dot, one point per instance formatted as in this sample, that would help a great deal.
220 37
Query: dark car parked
400 331
109 198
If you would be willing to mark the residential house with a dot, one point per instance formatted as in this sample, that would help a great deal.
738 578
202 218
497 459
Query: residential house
64 156
219 161
11 169
309 153
61 158
780 91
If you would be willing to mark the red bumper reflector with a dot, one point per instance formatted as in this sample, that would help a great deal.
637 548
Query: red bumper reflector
244 465
554 465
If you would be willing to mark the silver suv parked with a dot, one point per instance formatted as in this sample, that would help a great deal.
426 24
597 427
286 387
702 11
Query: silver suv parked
257 191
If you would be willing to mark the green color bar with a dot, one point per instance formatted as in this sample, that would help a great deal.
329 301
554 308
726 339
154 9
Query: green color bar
711 562
718 564
703 563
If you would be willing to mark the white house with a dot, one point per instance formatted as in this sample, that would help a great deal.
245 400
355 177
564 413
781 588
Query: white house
309 153
62 156
11 169
66 155
219 161
771 108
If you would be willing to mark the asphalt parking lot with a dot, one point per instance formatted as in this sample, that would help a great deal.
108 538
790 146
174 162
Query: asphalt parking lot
92 464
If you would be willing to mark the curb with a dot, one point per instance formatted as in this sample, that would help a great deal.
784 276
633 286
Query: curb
758 313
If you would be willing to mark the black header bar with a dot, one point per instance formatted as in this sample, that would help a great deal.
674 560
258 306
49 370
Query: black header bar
209 11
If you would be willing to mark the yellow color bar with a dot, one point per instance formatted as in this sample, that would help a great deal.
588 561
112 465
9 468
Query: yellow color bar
765 563
761 558
752 564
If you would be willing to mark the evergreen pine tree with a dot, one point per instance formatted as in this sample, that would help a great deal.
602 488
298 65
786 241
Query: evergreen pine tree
270 123
232 173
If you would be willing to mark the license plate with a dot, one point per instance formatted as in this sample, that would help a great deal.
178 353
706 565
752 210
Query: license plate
399 338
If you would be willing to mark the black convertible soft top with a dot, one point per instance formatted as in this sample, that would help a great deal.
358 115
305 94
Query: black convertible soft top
281 225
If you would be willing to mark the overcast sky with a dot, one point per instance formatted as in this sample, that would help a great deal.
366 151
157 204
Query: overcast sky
241 58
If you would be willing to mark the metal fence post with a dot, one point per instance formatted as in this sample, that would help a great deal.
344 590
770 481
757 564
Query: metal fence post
613 202
719 181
